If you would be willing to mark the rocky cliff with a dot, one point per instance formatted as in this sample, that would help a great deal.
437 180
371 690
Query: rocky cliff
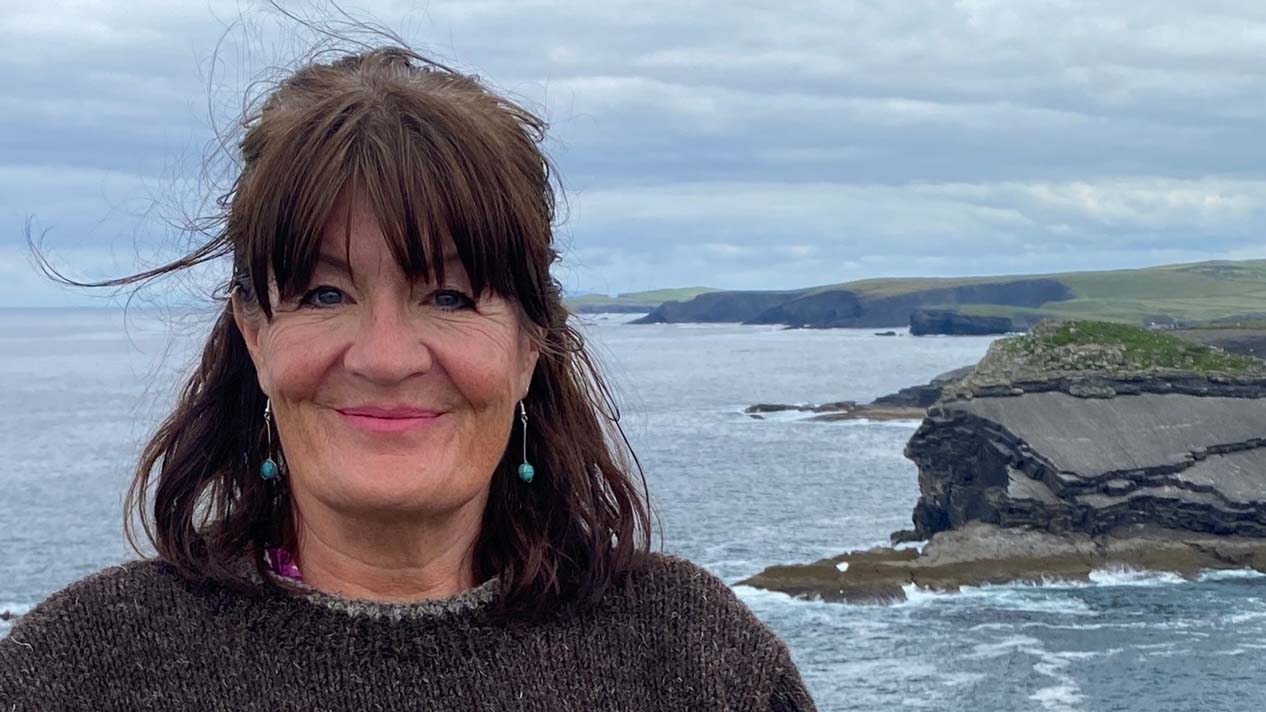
951 322
1077 446
852 308
717 307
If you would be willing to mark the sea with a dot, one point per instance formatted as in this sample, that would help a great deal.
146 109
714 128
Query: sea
80 389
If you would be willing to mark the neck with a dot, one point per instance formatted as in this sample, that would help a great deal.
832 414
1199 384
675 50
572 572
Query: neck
398 561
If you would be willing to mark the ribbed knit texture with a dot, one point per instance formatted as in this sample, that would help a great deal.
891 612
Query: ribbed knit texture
139 637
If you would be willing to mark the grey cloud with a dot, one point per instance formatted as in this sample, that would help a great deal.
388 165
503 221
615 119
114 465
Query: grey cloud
741 144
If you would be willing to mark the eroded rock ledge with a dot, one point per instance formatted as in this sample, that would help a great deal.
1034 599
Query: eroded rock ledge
980 554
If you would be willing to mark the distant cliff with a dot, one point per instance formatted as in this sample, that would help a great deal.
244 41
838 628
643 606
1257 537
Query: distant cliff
848 308
1170 295
631 302
717 307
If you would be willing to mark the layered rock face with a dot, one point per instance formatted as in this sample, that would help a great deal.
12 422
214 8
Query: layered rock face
1080 446
1189 455
1092 427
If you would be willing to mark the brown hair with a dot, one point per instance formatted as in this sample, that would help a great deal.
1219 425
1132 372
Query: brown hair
439 155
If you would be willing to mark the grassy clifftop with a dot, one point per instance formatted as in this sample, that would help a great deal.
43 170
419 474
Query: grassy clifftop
1056 349
634 301
1187 294
1192 293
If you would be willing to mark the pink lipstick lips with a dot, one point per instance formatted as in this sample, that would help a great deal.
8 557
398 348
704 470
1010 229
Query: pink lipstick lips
382 419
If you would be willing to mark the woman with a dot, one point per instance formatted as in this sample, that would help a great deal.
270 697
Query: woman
394 480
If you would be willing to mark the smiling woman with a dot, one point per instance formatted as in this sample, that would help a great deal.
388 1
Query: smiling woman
395 478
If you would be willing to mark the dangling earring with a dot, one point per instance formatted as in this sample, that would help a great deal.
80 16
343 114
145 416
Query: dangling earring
268 469
526 471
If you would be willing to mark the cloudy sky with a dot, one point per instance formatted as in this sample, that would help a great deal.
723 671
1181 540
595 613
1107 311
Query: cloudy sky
732 144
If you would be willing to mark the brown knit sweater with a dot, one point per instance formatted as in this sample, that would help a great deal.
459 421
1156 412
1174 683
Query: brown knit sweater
138 637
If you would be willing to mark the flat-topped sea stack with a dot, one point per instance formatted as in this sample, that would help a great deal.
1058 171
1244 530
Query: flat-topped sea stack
1082 445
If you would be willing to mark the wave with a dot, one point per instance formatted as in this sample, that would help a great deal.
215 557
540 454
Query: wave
1124 576
998 597
16 609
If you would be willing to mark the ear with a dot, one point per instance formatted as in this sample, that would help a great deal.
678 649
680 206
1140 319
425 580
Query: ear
530 354
248 323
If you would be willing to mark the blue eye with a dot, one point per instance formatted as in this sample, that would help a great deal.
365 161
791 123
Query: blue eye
452 300
325 296
322 297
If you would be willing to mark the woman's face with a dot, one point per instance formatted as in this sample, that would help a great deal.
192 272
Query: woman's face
346 363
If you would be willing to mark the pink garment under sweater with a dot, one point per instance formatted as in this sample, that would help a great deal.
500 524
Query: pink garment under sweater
282 563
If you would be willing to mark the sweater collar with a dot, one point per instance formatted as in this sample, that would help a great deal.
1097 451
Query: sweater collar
471 599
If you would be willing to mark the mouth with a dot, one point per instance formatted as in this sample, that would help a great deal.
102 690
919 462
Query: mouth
389 420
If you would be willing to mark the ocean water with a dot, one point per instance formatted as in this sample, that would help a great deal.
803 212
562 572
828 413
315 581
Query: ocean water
80 389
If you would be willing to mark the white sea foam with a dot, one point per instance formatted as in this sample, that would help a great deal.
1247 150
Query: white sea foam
1123 576
754 596
904 424
1064 692
1058 697
919 596
1245 617
1230 575
1061 626
1006 646
1033 599
16 609
958 679
1031 602
1109 577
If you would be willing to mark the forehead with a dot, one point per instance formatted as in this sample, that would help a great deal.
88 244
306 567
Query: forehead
353 239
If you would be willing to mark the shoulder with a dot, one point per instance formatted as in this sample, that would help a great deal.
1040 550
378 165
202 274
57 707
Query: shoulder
669 578
699 624
686 598
74 629
109 592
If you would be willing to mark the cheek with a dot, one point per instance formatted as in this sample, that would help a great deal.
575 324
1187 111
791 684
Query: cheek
296 359
483 361
482 372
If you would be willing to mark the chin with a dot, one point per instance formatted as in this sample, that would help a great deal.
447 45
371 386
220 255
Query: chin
399 492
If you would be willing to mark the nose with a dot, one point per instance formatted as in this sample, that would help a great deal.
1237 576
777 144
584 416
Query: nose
387 348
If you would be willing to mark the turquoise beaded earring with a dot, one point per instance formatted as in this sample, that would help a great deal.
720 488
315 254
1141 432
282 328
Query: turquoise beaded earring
526 471
268 469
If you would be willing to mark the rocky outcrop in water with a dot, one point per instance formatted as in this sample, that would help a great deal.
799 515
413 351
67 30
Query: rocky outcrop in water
1080 446
907 404
844 410
979 554
924 396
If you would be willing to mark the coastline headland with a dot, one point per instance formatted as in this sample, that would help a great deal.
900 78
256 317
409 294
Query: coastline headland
1171 296
1081 446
